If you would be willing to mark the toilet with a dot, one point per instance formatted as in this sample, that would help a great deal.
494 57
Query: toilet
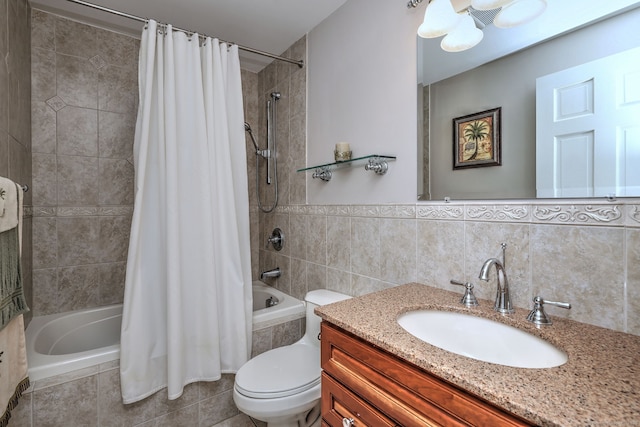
282 386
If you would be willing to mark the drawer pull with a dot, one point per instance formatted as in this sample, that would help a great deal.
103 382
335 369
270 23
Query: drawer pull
348 422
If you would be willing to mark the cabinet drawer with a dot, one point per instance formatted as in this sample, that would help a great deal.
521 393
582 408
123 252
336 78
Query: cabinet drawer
403 392
339 403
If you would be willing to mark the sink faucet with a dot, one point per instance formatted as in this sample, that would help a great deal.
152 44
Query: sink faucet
503 300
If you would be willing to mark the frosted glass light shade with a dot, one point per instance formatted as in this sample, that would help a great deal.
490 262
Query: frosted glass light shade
465 36
439 19
488 4
519 12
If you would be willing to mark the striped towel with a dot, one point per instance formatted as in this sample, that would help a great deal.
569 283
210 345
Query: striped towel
14 378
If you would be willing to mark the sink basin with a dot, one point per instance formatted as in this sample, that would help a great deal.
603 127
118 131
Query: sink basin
481 339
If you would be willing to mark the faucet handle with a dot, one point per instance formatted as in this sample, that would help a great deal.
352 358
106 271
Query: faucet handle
468 299
276 239
538 315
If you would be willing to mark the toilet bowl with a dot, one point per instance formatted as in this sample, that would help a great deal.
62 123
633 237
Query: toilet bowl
282 386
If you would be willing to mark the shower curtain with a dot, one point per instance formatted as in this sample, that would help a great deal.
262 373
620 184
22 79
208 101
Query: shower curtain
187 304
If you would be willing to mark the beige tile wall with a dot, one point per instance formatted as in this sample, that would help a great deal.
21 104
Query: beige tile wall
84 95
584 253
15 115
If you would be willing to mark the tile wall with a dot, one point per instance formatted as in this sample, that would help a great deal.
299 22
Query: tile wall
586 253
15 115
84 96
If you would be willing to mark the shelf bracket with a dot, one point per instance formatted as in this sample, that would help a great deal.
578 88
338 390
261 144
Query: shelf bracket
324 173
380 167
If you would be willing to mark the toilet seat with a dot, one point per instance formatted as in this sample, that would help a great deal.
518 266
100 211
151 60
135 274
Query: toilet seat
280 372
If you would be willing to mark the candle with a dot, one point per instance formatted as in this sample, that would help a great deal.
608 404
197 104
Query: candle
342 147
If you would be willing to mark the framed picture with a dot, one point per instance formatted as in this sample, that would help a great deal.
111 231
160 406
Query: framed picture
476 140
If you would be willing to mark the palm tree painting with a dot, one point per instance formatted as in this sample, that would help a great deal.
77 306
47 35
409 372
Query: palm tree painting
476 139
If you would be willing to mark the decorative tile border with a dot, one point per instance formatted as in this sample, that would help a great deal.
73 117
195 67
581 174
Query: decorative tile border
579 212
445 211
69 211
501 213
633 215
41 211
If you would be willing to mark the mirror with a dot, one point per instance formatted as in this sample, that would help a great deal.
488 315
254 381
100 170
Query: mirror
501 72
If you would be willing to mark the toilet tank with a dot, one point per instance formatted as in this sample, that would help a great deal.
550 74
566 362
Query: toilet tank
318 298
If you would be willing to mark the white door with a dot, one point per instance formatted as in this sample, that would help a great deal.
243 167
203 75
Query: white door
588 129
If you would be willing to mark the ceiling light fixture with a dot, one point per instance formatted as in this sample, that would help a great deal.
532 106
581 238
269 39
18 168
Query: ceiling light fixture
519 12
488 4
464 36
459 29
439 19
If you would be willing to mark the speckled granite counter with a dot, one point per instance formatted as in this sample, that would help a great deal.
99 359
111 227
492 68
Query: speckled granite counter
598 386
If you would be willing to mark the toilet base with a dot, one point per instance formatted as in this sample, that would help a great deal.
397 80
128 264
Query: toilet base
310 418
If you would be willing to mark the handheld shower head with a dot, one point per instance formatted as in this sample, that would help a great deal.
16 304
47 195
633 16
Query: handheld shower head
247 128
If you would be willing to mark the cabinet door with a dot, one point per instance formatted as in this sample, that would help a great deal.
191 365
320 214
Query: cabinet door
339 404
401 391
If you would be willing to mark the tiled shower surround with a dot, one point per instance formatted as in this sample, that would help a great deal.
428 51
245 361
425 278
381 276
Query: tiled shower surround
15 114
83 104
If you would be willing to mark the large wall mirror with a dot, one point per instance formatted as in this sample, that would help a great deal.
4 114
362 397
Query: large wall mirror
501 72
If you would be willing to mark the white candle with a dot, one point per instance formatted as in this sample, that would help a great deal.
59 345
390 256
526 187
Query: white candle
342 147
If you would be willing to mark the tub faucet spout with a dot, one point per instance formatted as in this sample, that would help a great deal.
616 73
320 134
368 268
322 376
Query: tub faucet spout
274 273
503 300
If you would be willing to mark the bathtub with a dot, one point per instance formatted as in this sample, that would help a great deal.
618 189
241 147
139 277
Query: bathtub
65 342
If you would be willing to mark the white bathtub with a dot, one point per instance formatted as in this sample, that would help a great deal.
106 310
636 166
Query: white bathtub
64 342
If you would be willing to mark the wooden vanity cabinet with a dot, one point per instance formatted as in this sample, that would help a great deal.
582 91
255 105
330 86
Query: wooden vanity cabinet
375 388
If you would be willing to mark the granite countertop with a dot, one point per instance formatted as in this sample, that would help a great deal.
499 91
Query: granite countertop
598 386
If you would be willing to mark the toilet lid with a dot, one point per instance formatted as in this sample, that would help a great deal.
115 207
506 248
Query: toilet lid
280 372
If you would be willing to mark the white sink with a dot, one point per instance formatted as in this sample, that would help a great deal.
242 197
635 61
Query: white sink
481 339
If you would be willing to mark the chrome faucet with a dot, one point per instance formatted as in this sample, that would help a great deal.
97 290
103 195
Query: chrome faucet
275 273
503 300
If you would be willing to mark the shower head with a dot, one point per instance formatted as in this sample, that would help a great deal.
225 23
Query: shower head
247 128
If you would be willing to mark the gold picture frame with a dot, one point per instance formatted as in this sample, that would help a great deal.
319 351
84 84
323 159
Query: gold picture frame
476 140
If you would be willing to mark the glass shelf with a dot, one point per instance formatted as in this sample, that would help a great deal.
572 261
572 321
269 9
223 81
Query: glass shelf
373 162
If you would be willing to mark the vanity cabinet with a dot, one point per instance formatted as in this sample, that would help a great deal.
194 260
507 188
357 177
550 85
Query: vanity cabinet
374 388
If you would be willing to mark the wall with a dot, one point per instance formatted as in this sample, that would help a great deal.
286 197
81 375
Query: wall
291 82
15 116
84 100
362 90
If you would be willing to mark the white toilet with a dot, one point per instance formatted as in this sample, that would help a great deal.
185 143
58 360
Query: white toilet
282 386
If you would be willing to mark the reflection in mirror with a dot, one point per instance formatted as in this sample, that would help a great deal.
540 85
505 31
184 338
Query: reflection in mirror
510 83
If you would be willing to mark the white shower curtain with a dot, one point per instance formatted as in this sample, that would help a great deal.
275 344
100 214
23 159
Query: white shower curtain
187 304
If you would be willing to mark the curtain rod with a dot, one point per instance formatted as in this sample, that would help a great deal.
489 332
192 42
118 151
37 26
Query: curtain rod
299 63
